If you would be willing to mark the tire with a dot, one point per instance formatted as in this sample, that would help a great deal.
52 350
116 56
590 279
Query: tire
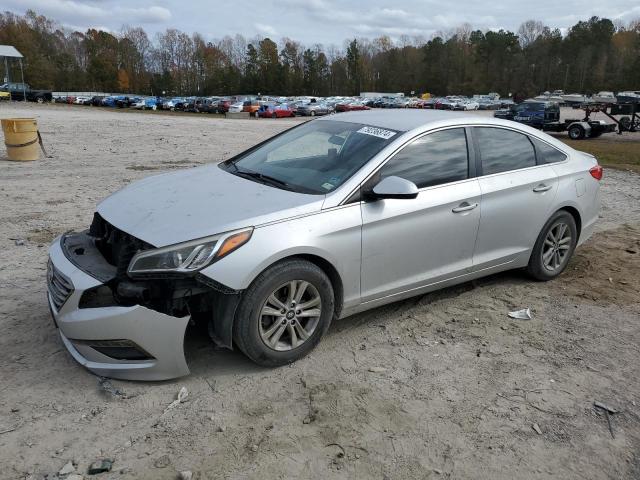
576 132
313 113
625 124
539 267
39 100
251 325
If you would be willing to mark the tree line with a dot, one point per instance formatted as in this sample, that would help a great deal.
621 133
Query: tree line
595 54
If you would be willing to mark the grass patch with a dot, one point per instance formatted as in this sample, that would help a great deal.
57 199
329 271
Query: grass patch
623 154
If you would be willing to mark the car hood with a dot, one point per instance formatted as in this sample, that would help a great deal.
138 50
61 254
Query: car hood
198 202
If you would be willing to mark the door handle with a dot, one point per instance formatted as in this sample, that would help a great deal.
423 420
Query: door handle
542 188
464 207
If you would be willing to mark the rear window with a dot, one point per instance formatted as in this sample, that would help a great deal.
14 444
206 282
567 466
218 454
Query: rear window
546 153
503 150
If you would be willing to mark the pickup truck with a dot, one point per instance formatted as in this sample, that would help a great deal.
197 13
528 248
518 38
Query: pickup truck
19 91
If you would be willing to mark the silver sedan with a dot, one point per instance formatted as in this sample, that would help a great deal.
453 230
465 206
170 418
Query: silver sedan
333 217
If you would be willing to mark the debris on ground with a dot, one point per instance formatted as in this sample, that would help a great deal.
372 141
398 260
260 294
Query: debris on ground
536 427
100 466
524 314
377 369
19 242
608 411
181 397
106 386
162 462
606 407
185 475
67 469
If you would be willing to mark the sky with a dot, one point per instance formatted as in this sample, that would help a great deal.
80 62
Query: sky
320 21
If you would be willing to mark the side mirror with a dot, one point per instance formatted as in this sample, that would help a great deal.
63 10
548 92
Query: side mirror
393 187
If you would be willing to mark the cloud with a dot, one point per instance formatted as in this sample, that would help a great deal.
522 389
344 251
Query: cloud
88 13
266 29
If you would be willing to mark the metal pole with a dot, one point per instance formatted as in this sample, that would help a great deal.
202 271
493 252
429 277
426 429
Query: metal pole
24 92
6 71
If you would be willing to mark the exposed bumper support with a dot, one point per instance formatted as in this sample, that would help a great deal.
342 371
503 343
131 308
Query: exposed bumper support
162 336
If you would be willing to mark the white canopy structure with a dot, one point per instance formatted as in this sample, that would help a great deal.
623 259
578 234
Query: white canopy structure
7 52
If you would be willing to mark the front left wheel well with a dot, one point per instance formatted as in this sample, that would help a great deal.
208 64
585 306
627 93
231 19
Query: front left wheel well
331 272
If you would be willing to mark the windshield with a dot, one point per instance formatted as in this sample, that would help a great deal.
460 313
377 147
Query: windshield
316 157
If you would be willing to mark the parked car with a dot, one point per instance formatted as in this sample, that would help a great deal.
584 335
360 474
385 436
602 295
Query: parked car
486 104
109 101
251 106
223 105
236 107
150 103
351 106
313 109
22 91
272 110
81 99
333 217
532 112
96 100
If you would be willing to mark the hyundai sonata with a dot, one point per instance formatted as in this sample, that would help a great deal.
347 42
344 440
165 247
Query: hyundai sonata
329 218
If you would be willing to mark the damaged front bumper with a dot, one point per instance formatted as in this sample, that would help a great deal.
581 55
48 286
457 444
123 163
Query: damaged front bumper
125 342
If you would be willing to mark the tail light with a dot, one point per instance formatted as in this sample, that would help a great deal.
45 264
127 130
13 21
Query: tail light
596 172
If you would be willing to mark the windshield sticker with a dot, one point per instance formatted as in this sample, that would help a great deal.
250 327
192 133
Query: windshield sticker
327 186
377 132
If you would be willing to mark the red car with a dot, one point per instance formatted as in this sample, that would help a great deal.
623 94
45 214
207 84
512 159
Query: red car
275 111
223 105
350 107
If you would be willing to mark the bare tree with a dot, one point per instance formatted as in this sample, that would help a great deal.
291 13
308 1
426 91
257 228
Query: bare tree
529 32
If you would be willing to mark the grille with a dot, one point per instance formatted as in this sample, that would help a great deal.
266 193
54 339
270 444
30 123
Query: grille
60 287
117 246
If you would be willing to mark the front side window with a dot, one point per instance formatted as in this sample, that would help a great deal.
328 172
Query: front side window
503 150
316 157
434 159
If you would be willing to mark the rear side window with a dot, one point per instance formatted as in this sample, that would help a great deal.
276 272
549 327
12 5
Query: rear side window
504 150
433 159
548 154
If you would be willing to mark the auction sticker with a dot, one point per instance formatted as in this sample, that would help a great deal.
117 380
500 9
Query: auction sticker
377 132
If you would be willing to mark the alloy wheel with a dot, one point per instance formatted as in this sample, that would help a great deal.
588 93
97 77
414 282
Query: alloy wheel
557 244
290 315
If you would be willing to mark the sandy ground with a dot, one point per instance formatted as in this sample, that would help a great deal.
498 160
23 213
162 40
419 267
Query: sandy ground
458 392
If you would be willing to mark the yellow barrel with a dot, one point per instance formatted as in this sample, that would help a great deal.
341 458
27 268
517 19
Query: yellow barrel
21 138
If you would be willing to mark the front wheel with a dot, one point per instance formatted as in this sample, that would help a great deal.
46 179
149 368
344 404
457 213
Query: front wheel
284 313
554 247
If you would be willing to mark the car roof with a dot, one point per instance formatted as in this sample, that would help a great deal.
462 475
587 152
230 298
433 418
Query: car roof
402 120
407 120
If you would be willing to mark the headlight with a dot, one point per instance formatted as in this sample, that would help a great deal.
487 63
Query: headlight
189 256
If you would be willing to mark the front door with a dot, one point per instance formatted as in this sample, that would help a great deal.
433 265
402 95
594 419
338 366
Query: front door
411 243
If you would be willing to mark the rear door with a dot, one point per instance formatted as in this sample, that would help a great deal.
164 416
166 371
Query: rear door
411 243
517 196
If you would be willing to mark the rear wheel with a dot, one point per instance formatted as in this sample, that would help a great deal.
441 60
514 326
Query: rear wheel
576 132
554 247
313 113
284 313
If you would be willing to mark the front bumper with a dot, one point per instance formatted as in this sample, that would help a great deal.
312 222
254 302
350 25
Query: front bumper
159 335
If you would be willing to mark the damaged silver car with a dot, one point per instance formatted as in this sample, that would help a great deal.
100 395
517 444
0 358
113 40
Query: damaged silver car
327 219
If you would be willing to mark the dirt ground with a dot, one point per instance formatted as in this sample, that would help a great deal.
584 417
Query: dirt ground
459 386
